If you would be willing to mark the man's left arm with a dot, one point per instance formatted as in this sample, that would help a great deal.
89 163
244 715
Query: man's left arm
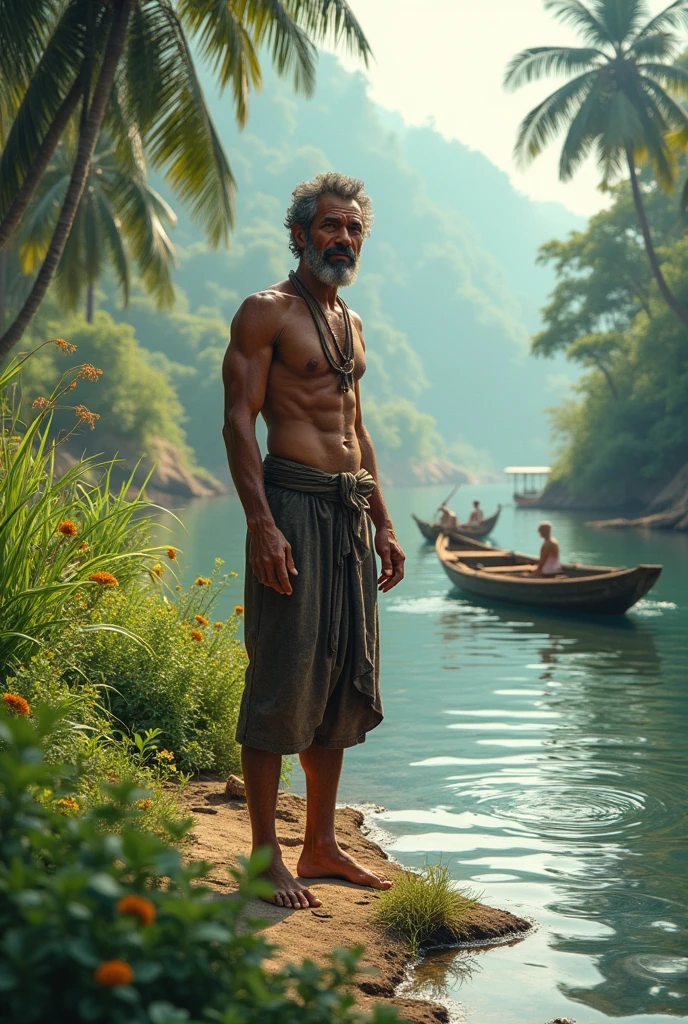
386 544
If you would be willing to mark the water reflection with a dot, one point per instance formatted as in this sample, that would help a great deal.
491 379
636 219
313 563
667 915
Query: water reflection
570 777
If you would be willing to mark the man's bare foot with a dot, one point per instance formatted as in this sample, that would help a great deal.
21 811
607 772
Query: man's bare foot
288 892
331 862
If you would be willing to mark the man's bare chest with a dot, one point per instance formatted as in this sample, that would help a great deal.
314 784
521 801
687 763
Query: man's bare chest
299 348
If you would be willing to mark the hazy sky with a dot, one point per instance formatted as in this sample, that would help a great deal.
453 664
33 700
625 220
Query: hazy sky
445 60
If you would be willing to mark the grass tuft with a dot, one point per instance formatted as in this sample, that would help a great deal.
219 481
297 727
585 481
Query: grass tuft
422 905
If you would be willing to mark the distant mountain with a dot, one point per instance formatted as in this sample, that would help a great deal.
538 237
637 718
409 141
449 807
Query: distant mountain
448 290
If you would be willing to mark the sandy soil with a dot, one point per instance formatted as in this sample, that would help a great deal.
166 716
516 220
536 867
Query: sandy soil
221 832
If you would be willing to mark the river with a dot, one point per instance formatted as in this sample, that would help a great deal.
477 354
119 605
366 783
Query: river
544 757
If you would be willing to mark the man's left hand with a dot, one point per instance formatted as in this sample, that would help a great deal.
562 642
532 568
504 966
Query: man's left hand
391 557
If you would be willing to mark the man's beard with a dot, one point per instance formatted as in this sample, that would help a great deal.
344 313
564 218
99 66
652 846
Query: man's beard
337 274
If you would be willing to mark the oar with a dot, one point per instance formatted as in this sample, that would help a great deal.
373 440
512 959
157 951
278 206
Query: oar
449 496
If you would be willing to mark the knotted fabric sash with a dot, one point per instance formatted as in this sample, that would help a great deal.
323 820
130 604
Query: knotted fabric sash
349 494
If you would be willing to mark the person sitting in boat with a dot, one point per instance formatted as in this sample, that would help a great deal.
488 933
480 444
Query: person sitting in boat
476 517
448 520
549 564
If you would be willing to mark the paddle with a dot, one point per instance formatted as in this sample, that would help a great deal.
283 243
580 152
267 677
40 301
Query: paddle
449 497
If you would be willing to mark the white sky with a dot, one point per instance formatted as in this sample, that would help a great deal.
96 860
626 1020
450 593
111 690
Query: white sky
445 60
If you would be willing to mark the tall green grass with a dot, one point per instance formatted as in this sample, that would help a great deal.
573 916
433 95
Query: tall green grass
41 568
424 905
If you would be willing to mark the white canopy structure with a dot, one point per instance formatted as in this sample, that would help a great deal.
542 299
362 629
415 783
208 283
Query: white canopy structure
532 481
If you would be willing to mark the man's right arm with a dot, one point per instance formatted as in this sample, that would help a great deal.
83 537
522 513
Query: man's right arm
245 374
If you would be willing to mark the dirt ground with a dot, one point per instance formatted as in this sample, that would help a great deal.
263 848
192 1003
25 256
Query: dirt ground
222 832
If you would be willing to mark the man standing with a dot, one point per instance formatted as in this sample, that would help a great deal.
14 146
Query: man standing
296 356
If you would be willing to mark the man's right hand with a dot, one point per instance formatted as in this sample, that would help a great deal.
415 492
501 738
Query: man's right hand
271 558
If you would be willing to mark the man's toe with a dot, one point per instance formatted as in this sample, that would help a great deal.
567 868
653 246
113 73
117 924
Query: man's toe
313 900
303 900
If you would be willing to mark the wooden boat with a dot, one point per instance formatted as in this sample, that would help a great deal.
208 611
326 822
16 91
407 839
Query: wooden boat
431 531
498 575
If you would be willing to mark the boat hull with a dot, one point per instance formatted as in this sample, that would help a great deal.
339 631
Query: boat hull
431 531
605 592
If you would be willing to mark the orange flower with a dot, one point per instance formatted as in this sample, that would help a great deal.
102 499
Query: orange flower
197 635
86 415
219 625
106 578
17 703
90 372
113 972
201 620
84 546
202 581
64 345
165 755
172 554
137 906
40 403
67 804
238 609
67 528
144 805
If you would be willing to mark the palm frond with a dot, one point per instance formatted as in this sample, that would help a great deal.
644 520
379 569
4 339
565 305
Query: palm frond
620 17
671 75
142 214
226 45
55 74
583 130
675 16
581 18
622 132
272 24
112 235
550 117
656 46
183 138
538 61
40 220
24 30
654 132
332 21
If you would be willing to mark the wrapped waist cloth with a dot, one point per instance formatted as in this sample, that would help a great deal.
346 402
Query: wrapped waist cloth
313 672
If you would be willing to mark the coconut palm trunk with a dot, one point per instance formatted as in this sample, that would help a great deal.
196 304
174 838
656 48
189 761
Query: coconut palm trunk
3 289
25 193
88 137
666 293
90 302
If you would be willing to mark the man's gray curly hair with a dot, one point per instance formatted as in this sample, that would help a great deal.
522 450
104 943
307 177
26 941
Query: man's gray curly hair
304 202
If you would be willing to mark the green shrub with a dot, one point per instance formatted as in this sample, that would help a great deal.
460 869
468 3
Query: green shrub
56 531
423 905
188 679
89 933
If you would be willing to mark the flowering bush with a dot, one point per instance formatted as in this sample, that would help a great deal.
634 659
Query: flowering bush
88 933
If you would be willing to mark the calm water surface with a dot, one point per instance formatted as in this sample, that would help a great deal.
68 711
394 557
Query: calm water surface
545 758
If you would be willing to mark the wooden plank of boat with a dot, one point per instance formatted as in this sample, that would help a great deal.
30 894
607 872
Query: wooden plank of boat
431 531
494 574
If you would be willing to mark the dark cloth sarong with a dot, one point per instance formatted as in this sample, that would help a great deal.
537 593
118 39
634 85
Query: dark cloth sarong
313 673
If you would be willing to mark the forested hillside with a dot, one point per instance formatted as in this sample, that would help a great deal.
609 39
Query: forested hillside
448 289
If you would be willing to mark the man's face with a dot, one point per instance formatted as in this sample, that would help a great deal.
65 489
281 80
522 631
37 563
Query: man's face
332 246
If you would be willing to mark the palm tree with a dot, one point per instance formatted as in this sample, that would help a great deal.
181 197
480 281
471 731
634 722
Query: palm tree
127 63
119 218
617 103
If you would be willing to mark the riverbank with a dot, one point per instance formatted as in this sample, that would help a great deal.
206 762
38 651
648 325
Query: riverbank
221 833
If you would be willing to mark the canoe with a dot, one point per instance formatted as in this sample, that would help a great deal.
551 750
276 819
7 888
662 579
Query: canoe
497 575
431 531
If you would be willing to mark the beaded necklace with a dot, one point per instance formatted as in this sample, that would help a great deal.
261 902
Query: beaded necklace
344 365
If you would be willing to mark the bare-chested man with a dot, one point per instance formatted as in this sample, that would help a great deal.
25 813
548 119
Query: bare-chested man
548 563
296 356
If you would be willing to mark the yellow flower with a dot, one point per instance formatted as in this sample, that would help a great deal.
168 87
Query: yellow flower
90 372
202 581
84 546
144 805
238 609
40 403
197 635
67 804
218 625
137 906
67 528
172 554
64 345
157 570
165 755
86 415
201 620
106 578
178 587
17 703
113 972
